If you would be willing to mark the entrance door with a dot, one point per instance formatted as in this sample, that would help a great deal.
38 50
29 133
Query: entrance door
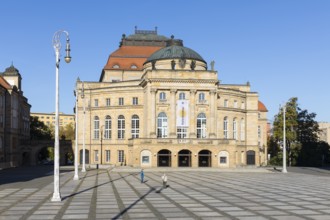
164 158
250 157
204 158
184 158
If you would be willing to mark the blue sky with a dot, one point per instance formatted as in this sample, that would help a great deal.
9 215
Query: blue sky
282 47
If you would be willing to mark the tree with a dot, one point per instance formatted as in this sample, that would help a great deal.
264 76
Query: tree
291 122
302 142
67 132
38 130
308 128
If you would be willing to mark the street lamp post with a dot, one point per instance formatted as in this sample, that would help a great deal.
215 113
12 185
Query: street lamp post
76 175
284 142
83 169
57 47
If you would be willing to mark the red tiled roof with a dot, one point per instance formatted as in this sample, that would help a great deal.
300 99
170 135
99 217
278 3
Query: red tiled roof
262 107
126 56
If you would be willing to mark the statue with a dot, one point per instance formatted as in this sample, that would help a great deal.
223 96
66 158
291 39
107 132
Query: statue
193 65
212 65
173 64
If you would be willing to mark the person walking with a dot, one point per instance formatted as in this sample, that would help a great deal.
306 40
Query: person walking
142 176
164 178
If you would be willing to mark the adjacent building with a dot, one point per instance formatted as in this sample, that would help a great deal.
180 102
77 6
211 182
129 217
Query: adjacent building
49 118
14 120
159 104
324 135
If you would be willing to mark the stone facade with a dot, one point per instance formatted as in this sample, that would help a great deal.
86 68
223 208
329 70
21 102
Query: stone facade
172 112
324 135
49 118
14 120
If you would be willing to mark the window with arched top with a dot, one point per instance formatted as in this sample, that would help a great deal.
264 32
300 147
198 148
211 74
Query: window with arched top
135 126
121 127
235 129
162 96
107 127
182 96
201 125
225 127
116 66
133 66
96 127
162 125
201 97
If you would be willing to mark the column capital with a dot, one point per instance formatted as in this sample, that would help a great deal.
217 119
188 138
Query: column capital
153 90
213 91
173 90
193 91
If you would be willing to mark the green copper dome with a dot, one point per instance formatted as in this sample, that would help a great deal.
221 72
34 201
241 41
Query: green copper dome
175 52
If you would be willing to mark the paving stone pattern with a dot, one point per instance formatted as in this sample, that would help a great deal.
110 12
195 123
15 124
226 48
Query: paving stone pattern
108 194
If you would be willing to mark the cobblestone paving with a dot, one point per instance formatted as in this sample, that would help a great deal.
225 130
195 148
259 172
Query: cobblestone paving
106 194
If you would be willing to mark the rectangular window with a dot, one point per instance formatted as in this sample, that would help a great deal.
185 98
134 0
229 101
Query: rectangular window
120 156
121 101
223 160
225 103
96 102
107 156
107 101
235 104
145 159
259 132
96 155
135 101
181 132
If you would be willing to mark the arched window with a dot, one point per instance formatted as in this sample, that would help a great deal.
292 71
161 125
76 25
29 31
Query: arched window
162 125
201 97
135 126
96 127
201 125
116 66
182 96
234 129
121 127
133 66
242 129
162 96
107 125
225 128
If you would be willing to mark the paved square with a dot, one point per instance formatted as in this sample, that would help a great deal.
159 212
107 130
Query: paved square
192 194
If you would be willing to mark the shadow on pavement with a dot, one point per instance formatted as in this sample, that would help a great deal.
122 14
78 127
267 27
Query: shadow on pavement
25 174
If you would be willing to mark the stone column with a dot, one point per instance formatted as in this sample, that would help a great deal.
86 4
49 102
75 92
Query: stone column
172 116
212 120
192 118
153 113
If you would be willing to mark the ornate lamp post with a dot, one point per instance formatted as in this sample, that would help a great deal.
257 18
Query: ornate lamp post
76 175
57 47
